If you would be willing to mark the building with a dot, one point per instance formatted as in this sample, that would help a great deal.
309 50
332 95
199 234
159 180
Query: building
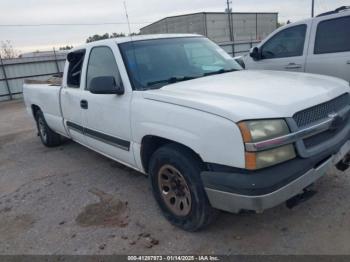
232 31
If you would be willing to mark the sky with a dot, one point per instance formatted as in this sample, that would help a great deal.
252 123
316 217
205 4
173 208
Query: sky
16 15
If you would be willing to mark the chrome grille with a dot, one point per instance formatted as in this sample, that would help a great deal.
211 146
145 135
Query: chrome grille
321 111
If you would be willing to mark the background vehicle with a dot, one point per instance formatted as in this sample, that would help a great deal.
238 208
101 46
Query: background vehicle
320 45
210 135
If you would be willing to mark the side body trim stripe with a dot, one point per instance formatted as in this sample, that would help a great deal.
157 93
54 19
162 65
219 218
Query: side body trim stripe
114 141
75 127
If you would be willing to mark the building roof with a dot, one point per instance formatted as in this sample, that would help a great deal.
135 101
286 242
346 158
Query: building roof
276 13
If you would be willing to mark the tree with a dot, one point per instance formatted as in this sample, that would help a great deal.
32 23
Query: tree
67 47
97 37
114 35
104 36
7 51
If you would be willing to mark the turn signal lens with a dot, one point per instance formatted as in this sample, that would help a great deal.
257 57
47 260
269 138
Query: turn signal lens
250 161
245 132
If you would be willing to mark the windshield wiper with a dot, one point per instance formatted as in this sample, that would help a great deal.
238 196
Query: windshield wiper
171 80
221 71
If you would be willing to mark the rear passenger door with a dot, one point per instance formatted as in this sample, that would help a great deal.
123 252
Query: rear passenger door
329 51
70 97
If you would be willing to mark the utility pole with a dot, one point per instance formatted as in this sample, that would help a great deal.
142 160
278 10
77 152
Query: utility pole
56 62
313 8
229 14
228 2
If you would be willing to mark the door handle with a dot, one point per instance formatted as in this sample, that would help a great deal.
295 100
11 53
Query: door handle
292 66
84 104
348 62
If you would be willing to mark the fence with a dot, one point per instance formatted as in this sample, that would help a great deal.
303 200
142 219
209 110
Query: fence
238 48
13 72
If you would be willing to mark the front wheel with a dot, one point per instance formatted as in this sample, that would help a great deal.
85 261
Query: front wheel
48 137
177 187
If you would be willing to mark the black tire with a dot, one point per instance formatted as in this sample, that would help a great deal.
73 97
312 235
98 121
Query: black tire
48 137
199 213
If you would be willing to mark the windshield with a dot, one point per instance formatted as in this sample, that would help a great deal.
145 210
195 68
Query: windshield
154 63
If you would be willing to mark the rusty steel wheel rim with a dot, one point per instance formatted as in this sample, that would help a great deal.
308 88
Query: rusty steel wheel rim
174 190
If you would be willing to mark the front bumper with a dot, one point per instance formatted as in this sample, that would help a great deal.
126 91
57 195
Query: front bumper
234 192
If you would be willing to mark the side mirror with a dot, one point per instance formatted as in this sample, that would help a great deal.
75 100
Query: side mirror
255 53
105 85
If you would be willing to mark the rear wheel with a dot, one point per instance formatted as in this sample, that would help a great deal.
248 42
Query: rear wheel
48 137
178 189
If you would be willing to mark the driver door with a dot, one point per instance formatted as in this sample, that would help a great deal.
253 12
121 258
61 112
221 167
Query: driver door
107 116
286 50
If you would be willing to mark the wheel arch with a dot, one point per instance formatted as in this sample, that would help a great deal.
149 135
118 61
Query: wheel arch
35 109
150 143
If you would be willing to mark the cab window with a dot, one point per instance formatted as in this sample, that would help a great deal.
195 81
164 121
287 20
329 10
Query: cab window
102 63
75 60
287 43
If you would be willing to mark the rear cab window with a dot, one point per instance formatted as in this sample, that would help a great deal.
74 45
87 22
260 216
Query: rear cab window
333 36
75 60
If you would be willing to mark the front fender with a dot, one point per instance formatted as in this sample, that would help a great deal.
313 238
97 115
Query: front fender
215 139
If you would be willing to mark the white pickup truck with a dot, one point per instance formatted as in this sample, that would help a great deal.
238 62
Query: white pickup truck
320 45
210 135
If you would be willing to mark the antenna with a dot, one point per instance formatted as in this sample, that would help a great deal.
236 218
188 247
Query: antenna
132 41
127 18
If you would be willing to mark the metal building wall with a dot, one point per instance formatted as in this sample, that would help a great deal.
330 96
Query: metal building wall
193 24
218 28
19 69
159 27
244 27
266 24
248 28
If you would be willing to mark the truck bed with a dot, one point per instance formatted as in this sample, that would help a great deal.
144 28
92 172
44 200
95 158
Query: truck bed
52 81
45 95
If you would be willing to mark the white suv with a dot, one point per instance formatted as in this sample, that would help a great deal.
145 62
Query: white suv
320 45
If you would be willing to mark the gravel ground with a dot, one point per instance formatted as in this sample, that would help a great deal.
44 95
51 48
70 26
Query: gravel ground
70 200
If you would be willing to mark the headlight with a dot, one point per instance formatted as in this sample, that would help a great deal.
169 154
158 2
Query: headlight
260 130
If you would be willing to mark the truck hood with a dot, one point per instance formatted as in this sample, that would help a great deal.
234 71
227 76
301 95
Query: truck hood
251 94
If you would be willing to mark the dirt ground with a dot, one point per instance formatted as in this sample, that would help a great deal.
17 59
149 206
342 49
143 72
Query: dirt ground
70 200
